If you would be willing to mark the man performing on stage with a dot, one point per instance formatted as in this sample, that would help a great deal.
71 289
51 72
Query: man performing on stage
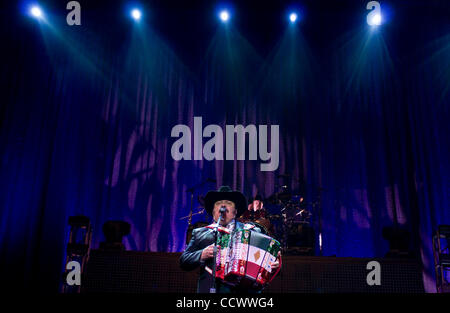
199 252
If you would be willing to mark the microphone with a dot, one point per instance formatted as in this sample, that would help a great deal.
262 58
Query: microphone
222 211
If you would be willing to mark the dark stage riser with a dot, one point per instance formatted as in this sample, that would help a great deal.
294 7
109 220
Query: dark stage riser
144 272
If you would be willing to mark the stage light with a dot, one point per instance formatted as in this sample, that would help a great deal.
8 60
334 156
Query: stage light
375 20
136 14
36 11
224 16
293 17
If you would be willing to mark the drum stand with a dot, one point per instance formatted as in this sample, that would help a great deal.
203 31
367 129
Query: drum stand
317 209
285 229
191 191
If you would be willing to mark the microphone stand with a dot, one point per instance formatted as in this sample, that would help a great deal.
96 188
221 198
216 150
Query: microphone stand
213 289
191 191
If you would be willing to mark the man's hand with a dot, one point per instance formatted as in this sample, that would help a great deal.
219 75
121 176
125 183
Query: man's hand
276 264
207 253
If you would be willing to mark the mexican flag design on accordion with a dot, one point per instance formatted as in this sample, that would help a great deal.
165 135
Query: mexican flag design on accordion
249 255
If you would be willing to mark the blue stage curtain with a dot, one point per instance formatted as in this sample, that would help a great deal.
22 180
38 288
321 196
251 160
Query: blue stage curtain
85 126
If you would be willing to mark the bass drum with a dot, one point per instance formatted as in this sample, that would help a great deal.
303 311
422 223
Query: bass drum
191 228
258 218
263 224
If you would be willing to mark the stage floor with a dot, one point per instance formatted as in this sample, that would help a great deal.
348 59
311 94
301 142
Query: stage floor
143 272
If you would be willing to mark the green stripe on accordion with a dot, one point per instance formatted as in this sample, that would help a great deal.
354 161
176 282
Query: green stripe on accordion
261 241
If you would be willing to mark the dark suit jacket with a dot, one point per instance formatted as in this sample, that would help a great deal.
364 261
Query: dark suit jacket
190 259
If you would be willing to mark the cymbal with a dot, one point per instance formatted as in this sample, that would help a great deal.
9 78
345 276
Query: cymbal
284 197
305 184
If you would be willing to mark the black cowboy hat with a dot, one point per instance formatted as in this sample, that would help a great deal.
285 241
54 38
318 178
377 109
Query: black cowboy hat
225 193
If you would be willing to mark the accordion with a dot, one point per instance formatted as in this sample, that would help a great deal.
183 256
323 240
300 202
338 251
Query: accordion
244 258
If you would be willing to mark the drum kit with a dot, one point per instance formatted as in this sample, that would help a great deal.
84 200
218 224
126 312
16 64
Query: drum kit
289 221
285 216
